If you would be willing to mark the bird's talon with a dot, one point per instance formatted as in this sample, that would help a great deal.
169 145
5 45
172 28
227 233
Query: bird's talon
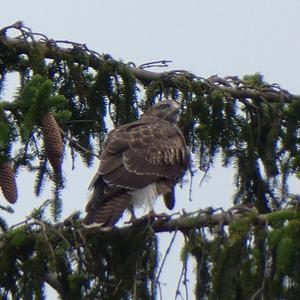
161 216
132 220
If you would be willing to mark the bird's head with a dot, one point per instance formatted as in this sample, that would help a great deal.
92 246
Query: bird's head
168 110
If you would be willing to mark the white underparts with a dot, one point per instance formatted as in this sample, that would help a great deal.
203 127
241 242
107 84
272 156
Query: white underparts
145 197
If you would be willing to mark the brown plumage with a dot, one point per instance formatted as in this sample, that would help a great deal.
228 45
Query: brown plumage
140 161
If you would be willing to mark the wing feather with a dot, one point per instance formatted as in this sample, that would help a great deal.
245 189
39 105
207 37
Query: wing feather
164 146
139 165
122 177
142 152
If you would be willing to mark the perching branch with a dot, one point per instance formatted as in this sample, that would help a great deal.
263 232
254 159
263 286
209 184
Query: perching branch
184 223
78 238
201 219
81 54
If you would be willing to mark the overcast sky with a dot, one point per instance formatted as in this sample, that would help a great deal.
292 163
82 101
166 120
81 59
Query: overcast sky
232 37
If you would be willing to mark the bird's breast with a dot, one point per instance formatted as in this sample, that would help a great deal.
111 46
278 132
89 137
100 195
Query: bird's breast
145 197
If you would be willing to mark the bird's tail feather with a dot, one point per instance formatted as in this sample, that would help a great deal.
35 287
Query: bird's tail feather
105 214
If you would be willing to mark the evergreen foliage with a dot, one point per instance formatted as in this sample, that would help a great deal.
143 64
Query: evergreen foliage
89 265
252 125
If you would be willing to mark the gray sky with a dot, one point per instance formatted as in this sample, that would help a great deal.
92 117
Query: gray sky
232 37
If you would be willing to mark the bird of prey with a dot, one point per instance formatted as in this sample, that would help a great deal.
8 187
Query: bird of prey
140 161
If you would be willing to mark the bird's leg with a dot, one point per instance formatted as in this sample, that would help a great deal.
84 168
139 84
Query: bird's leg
152 215
133 218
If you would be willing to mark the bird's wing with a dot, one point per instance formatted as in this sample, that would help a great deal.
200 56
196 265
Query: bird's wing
142 152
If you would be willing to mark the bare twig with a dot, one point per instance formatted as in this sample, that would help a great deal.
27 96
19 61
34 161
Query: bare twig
8 209
160 291
185 281
177 292
44 231
30 217
78 121
158 63
17 25
77 145
166 254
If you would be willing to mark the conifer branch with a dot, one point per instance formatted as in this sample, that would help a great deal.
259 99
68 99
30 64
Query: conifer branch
259 138
206 218
202 219
72 229
52 280
209 218
228 85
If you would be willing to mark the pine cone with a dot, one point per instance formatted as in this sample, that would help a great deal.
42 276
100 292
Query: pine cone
8 183
53 142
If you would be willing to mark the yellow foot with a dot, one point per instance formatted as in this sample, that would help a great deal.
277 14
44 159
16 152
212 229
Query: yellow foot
159 216
150 217
133 219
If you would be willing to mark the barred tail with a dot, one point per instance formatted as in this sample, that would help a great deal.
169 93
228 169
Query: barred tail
106 213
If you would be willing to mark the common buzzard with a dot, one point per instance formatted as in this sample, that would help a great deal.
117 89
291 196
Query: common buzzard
141 160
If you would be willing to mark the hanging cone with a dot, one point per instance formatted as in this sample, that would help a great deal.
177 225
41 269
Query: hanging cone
8 183
53 142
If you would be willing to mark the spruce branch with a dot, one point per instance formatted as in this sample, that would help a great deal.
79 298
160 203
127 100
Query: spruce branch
204 218
52 280
255 126
229 85
185 222
71 230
